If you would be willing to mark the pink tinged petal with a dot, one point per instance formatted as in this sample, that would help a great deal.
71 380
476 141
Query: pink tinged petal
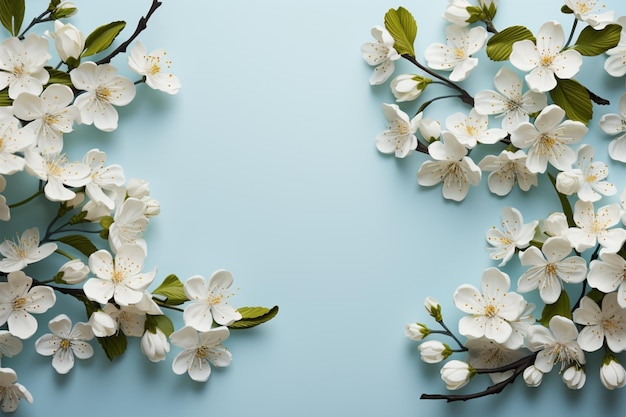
567 64
196 288
22 324
198 315
47 344
524 55
100 290
63 361
541 79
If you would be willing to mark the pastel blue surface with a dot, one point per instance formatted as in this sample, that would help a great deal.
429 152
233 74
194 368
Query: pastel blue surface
265 165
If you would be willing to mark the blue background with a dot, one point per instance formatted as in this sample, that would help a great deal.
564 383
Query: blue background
265 165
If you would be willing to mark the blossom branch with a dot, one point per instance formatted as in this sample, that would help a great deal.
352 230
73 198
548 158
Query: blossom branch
518 367
141 26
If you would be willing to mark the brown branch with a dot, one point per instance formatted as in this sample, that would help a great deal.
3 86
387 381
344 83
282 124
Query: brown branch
141 26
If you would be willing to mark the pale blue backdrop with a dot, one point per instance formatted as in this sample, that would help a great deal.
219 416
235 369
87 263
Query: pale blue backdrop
265 165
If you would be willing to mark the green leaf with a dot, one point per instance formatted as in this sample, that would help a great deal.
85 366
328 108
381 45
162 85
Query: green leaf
596 295
12 15
500 45
80 243
565 205
253 316
172 289
593 42
566 10
5 100
560 308
58 77
162 322
574 98
476 14
102 37
401 25
113 346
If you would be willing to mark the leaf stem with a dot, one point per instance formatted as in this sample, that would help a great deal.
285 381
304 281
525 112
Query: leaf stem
39 19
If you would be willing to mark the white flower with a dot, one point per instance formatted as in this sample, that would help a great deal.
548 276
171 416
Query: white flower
25 251
451 166
615 124
130 319
68 40
550 266
433 308
18 300
608 274
457 13
103 89
456 374
408 87
473 129
200 349
13 140
102 177
154 345
526 319
607 323
615 64
587 179
22 65
12 392
533 376
546 59
102 324
485 353
514 235
399 138
491 309
456 56
137 188
555 224
208 301
590 12
129 222
505 170
416 331
121 279
153 66
433 351
50 115
508 102
574 377
380 54
556 344
65 342
58 172
612 374
9 344
74 271
548 138
594 227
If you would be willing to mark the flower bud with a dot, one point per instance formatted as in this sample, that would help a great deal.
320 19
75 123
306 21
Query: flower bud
456 374
430 129
555 224
416 331
154 345
612 373
102 324
68 41
457 13
65 9
137 188
569 182
433 308
407 87
74 271
153 207
574 377
533 376
433 351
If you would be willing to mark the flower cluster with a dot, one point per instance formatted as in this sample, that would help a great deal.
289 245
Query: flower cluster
95 218
532 123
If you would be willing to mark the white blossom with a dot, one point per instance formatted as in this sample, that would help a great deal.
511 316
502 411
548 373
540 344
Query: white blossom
199 351
507 169
65 342
456 374
154 345
594 227
473 129
22 65
555 344
590 12
456 56
612 374
608 323
154 67
608 274
399 138
514 234
615 124
26 250
209 301
11 392
380 54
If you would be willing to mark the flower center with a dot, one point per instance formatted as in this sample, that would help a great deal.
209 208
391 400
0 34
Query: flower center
18 303
55 164
596 226
551 269
103 93
546 60
459 53
117 277
591 178
50 119
545 144
65 344
491 311
18 70
202 352
154 69
215 299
